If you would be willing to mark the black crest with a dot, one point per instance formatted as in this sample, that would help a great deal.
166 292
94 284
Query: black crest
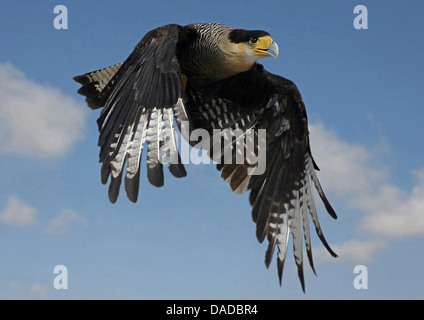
241 35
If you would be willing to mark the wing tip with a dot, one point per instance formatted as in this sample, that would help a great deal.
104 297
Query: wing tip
132 187
330 210
280 269
177 170
155 175
82 79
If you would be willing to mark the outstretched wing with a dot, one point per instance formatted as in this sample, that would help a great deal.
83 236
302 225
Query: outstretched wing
141 98
282 194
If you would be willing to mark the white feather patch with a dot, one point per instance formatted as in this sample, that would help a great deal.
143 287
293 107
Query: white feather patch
135 149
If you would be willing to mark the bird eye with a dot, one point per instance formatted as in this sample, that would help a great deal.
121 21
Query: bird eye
253 40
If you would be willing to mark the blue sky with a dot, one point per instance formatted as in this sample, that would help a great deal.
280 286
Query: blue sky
193 238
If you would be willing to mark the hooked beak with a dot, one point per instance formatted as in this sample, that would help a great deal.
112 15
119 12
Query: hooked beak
266 47
273 50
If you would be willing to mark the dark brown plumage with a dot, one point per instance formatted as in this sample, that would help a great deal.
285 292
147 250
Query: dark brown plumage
207 75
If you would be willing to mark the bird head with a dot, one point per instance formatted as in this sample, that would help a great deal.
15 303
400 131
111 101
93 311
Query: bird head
257 44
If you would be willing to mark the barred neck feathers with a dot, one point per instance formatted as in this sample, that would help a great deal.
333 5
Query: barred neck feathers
210 56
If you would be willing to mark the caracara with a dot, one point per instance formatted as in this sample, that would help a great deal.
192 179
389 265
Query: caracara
206 75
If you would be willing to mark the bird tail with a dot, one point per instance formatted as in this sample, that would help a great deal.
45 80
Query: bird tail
97 84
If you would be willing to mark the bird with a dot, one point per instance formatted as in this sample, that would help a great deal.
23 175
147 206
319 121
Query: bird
207 75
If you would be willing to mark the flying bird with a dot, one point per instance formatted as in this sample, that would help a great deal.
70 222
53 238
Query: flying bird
207 75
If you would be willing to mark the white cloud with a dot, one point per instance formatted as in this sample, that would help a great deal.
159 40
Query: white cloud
356 251
60 225
345 167
395 213
36 120
388 212
18 214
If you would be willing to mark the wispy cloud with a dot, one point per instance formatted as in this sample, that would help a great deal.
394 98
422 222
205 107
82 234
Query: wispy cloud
388 212
395 213
36 120
39 291
60 225
18 214
346 167
354 250
35 291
